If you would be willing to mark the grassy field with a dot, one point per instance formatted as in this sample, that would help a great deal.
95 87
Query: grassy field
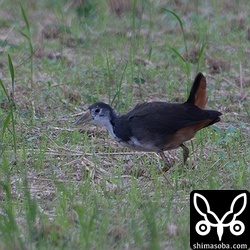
65 188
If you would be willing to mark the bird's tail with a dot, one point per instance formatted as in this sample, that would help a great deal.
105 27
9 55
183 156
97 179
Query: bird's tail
198 94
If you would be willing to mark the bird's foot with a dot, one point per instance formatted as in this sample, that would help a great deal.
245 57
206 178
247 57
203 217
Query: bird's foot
167 164
185 153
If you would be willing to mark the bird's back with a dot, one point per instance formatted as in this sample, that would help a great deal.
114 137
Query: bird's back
157 122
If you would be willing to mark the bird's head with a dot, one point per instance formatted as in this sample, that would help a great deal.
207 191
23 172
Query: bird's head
98 113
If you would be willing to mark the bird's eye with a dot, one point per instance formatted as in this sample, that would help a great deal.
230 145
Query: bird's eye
97 111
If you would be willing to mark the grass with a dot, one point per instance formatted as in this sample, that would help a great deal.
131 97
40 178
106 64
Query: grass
61 188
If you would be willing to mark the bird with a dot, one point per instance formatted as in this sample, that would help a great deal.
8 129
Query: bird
157 126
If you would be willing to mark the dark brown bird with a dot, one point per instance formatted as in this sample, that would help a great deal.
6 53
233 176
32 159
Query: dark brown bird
157 126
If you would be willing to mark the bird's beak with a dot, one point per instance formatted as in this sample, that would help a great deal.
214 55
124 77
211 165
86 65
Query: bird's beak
83 119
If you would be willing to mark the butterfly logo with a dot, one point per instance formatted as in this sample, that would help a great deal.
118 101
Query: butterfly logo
203 227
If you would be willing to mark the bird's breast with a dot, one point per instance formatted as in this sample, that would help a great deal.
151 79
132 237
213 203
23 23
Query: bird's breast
135 144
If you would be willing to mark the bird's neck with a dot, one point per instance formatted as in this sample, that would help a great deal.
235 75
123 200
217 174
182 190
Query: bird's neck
111 123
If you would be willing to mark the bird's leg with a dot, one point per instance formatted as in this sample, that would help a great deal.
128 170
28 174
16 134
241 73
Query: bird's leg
166 168
185 153
168 165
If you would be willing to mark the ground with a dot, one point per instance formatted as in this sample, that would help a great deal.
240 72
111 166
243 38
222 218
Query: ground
65 187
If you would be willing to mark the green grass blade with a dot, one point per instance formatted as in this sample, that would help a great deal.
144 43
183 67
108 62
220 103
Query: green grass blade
11 103
182 60
175 15
117 94
12 73
25 35
178 54
4 90
200 55
11 68
218 130
28 37
25 19
181 24
30 44
5 124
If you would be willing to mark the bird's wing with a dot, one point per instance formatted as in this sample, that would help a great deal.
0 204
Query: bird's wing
164 118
